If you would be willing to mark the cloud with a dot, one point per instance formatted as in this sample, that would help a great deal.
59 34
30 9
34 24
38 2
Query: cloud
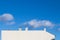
10 23
47 23
58 29
7 18
0 18
34 23
38 23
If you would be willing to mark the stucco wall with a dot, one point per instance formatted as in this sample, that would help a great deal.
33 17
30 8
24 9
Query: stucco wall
26 35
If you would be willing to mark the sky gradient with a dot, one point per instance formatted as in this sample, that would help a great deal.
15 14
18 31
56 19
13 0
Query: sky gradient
24 11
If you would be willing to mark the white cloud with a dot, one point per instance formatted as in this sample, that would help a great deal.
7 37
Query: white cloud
7 18
10 23
34 23
39 23
58 29
47 23
0 18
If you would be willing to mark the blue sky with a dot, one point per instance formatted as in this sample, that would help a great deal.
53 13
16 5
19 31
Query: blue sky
27 10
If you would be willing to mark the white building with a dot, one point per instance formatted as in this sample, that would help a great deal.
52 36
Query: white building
26 35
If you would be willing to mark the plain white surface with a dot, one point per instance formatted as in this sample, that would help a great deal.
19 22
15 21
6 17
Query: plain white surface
26 35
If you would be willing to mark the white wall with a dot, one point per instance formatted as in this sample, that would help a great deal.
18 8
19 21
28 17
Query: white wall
26 35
